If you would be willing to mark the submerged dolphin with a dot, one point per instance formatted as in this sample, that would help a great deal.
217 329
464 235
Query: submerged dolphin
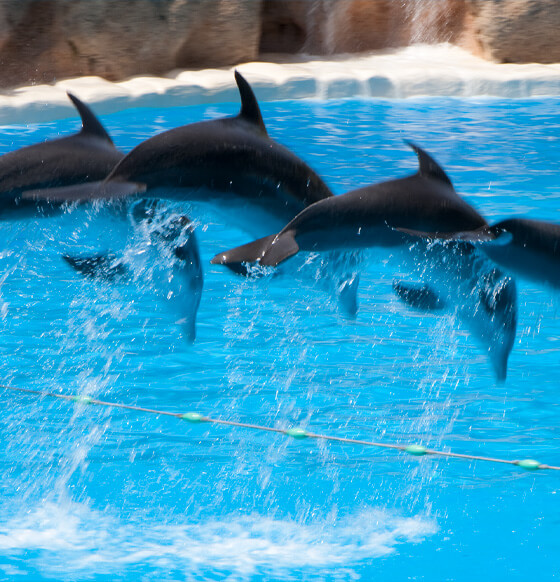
171 264
455 277
83 157
375 215
231 155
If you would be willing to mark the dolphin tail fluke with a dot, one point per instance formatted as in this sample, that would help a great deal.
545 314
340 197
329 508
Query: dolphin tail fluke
249 253
101 190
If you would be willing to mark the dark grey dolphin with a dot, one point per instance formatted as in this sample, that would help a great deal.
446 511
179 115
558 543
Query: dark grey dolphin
529 248
455 277
230 155
372 216
84 157
171 265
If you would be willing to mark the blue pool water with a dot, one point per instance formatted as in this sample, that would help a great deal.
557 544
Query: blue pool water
91 493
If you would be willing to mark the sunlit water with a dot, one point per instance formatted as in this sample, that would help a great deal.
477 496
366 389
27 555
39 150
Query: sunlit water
91 493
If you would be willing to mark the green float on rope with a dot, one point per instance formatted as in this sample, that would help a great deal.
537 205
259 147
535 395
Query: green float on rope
295 432
193 417
416 450
529 464
82 399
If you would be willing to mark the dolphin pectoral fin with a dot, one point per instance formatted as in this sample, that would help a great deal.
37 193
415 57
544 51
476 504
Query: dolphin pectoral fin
101 190
419 296
249 253
499 365
105 267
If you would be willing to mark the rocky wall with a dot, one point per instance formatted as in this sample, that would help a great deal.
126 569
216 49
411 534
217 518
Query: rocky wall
500 30
47 40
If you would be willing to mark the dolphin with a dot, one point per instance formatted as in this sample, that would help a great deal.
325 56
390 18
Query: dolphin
166 257
232 155
528 248
525 247
86 156
377 215
455 277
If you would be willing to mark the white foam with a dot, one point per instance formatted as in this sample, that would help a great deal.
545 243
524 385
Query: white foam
431 70
71 537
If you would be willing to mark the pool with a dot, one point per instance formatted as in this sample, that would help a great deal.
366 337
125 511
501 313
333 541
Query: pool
93 493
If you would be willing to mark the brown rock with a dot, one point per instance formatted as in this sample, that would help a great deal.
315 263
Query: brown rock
516 31
44 40
285 26
331 26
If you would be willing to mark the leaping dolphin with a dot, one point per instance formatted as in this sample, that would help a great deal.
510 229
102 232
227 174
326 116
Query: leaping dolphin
84 157
166 257
375 215
455 277
526 247
531 249
231 155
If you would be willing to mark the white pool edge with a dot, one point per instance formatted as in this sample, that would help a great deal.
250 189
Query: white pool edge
422 70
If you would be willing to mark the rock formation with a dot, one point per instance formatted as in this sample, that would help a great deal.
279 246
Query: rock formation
45 40
515 31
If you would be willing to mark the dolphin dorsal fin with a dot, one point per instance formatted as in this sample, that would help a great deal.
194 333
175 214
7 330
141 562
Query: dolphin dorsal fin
428 167
250 110
90 124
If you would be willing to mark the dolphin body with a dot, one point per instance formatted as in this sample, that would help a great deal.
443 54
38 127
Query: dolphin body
166 258
454 277
83 157
233 155
377 215
530 248
525 247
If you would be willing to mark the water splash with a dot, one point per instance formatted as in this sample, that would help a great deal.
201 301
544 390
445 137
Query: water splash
72 541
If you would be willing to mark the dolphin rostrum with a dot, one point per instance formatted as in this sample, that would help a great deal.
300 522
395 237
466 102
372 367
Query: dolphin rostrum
86 156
